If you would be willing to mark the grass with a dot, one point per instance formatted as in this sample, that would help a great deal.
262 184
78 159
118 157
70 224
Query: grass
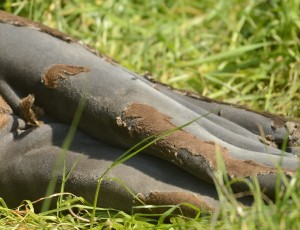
239 51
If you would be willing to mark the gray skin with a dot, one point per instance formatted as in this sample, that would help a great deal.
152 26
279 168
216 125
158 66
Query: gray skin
30 153
29 157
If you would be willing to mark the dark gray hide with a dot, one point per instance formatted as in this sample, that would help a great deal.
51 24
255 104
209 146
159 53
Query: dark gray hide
121 109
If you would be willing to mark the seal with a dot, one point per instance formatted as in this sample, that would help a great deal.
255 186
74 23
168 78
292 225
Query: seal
42 68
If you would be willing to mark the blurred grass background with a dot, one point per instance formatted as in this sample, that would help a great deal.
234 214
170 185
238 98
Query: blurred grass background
239 51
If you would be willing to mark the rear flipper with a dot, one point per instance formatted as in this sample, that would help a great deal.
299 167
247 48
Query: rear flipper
267 128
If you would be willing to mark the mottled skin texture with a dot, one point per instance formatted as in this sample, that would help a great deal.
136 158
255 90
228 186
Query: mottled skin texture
121 108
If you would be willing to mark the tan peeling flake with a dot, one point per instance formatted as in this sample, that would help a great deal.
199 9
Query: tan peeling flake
294 132
27 110
4 107
4 111
4 118
175 198
120 122
145 120
60 71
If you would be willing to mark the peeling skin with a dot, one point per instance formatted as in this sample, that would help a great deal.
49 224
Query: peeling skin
143 120
60 71
268 140
294 132
175 198
4 107
4 118
28 111
4 111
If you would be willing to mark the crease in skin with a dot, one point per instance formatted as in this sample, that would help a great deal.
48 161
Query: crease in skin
247 119
230 137
209 130
239 153
275 136
51 75
260 142
255 142
225 123
170 92
186 97
277 121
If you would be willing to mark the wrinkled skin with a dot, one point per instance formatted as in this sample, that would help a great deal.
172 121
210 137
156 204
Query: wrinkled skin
121 108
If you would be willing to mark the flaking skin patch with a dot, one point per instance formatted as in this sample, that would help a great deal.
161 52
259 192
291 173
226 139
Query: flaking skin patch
4 111
4 107
29 112
52 75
